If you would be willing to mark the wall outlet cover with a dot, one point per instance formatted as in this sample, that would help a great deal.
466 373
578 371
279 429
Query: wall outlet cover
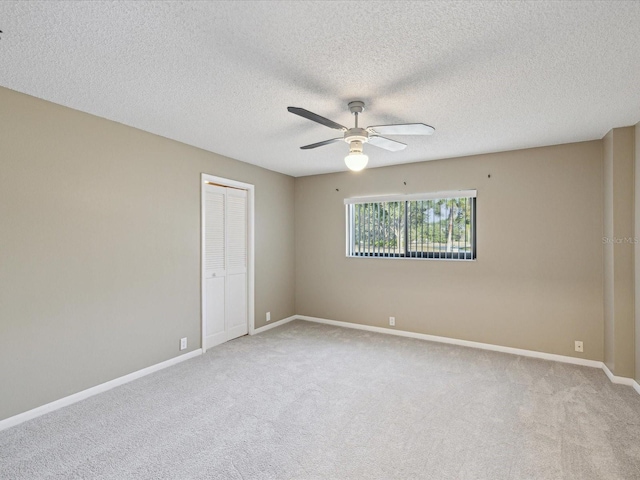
183 343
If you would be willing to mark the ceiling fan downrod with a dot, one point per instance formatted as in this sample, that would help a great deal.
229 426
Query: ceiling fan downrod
356 134
356 107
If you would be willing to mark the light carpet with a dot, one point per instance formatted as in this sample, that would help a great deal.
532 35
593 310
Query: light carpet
311 401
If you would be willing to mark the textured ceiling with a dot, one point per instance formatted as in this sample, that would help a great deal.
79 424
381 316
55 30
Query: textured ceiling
489 76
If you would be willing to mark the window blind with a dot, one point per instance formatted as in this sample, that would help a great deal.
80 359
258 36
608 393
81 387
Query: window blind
438 225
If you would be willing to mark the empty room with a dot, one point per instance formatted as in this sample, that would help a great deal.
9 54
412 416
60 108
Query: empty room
320 240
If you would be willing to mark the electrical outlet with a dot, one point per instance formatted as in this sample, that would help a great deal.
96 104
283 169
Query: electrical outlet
579 346
183 343
268 316
392 321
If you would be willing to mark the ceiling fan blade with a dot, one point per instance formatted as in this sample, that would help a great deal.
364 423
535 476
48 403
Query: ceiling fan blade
314 117
386 143
403 129
319 144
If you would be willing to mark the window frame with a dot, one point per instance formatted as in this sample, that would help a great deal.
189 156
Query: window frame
407 254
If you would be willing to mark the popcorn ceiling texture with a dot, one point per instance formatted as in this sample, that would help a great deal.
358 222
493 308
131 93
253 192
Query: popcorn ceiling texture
490 76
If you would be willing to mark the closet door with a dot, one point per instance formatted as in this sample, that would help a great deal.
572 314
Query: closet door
215 207
226 255
236 279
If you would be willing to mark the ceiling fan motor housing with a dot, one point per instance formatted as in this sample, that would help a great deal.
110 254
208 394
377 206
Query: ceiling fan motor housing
356 135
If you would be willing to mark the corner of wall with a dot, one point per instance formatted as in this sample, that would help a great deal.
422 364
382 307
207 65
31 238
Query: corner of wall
620 342
636 229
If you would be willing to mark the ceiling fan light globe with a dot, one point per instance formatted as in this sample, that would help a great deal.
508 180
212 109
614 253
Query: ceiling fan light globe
356 161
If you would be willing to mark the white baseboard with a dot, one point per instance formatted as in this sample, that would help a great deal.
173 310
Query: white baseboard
90 392
455 341
76 397
269 326
620 380
103 387
484 346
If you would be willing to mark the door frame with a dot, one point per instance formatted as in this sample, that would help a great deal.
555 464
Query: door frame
250 189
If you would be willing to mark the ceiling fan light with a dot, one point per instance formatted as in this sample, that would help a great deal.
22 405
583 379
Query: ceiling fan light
356 161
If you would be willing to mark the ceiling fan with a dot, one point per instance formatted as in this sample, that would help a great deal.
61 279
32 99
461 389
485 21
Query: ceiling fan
356 136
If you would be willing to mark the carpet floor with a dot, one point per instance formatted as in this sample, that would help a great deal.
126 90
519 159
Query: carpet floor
311 401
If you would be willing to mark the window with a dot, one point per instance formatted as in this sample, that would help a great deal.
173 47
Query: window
432 225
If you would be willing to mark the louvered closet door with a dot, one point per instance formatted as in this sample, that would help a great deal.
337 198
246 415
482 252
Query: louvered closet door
225 224
215 264
236 282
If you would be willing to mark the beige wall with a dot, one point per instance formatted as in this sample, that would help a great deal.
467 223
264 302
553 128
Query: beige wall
537 282
100 248
618 185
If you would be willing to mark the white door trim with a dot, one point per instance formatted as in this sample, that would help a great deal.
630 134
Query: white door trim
225 182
